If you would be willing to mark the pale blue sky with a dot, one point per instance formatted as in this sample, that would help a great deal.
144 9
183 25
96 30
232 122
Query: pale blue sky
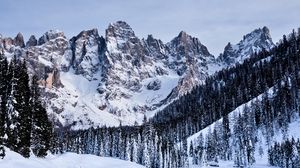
214 22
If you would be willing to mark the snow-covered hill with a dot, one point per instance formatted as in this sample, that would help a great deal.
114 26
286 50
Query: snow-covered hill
94 80
66 160
261 159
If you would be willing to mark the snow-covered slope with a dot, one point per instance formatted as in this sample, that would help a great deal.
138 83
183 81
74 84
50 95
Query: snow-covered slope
66 160
90 80
261 160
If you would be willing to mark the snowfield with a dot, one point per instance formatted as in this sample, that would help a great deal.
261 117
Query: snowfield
66 160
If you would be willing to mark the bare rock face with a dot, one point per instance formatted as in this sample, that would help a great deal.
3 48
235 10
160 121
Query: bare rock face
187 50
127 57
50 35
190 59
45 60
32 41
228 54
157 48
87 53
8 43
19 40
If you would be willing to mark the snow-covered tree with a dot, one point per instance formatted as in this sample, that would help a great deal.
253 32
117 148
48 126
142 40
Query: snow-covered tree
41 126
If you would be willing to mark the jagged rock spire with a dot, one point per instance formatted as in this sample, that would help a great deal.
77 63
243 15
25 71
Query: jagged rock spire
32 41
19 40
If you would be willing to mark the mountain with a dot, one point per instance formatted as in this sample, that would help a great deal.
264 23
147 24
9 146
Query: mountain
246 115
94 80
251 43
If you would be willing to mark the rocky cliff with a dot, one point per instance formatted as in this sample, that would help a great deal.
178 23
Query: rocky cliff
94 80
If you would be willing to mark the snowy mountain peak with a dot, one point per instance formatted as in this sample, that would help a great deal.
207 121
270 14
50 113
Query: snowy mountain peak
186 45
153 41
50 35
156 47
86 33
255 41
229 46
12 44
83 53
183 35
259 35
119 30
190 59
266 34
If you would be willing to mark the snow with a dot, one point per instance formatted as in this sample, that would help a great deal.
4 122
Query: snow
252 42
214 67
228 164
44 61
76 99
231 116
261 161
147 97
9 55
80 101
66 160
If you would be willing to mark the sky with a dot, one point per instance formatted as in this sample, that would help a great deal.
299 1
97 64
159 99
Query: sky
213 22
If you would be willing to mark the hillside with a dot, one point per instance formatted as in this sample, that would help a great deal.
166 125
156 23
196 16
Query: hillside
262 145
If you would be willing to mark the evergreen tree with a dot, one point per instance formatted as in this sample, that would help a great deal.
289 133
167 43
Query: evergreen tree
134 151
22 97
146 156
185 155
41 126
3 109
225 138
12 114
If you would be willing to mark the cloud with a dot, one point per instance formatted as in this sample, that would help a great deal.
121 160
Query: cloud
214 22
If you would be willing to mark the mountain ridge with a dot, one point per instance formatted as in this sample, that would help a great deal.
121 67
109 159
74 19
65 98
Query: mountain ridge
120 76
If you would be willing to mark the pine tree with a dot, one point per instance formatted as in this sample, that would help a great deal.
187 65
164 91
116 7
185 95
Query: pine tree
191 149
11 113
3 109
127 148
185 153
22 97
42 128
225 138
146 156
134 150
